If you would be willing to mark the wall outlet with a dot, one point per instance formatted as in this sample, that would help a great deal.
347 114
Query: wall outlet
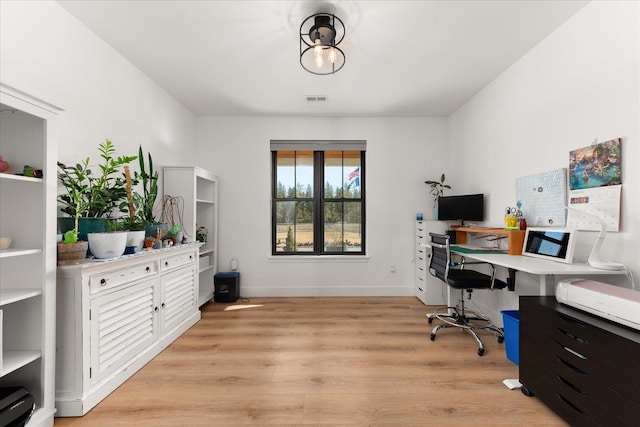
392 268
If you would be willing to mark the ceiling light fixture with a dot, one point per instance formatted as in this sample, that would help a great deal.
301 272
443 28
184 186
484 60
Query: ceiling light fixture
320 35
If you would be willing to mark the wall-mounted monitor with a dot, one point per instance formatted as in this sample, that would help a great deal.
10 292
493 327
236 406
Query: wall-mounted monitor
468 207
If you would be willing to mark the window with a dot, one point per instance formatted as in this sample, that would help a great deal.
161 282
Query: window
318 198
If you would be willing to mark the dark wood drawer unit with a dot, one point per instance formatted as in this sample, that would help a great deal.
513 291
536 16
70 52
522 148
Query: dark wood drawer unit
582 366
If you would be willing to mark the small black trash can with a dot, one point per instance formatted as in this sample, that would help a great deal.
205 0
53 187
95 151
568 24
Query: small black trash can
227 286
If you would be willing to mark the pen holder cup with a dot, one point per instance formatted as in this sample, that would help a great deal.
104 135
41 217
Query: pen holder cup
511 221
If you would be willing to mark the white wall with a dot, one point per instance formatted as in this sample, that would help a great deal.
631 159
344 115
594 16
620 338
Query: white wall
401 155
47 53
581 83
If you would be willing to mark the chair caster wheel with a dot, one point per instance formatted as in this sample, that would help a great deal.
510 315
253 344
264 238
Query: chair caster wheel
430 320
432 337
500 339
526 391
480 351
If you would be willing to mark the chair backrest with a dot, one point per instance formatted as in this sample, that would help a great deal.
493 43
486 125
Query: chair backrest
440 256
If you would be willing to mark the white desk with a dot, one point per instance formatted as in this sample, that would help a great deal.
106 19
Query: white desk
546 270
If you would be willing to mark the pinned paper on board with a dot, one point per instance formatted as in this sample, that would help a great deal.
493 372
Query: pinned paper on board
542 197
595 181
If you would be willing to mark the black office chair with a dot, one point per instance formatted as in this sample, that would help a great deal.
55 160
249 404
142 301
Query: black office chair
454 275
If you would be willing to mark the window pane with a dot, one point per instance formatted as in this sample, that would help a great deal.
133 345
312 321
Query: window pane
351 172
333 174
304 226
353 226
285 174
333 233
294 174
294 226
304 174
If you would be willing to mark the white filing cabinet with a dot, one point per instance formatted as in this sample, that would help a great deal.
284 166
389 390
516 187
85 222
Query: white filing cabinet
430 290
114 316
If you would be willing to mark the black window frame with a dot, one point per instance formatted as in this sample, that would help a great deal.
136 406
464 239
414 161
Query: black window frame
318 200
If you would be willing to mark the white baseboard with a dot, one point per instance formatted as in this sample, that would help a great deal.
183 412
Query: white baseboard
327 291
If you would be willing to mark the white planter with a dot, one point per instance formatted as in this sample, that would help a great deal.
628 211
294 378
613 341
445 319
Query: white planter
107 245
136 239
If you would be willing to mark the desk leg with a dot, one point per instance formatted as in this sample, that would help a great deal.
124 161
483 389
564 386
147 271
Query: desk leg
547 284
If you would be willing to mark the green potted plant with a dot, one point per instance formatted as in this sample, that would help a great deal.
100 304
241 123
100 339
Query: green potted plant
437 191
70 249
145 202
101 193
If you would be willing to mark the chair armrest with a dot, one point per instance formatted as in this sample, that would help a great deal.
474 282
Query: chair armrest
493 269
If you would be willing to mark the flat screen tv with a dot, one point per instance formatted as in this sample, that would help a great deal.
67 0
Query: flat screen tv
468 207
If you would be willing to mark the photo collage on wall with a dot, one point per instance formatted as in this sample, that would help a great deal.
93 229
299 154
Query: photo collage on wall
595 183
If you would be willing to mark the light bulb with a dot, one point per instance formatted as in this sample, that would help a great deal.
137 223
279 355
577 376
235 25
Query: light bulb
332 55
317 52
317 49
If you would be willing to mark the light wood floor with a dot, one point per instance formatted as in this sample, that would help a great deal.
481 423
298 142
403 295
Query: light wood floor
321 361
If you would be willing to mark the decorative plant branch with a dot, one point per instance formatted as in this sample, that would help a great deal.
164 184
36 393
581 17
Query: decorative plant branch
172 208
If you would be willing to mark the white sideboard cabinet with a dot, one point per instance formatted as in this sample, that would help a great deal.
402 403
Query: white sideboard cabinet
114 316
28 266
430 290
199 190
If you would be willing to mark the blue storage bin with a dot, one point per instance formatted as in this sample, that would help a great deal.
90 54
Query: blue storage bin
511 321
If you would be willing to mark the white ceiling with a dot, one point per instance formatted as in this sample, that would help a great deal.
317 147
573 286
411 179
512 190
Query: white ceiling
404 58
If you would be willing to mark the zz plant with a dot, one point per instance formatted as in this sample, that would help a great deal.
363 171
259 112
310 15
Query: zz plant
100 193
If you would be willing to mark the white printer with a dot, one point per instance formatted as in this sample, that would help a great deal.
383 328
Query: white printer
611 302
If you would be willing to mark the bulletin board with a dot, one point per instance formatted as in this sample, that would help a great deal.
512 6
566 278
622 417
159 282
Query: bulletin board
542 198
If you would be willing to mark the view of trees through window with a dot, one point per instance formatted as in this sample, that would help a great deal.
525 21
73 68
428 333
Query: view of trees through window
329 221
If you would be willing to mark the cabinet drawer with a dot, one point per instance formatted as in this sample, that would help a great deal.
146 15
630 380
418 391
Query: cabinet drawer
589 341
176 261
112 279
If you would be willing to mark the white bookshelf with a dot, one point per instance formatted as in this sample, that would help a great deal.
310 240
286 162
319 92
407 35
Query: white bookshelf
199 189
28 266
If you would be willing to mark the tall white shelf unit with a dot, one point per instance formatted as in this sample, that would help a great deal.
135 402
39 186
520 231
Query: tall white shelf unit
28 267
429 290
199 189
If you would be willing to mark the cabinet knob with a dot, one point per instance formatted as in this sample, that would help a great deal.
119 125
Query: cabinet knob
190 256
162 305
103 282
166 263
148 269
156 309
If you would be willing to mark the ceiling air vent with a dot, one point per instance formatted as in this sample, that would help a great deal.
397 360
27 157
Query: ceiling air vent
316 98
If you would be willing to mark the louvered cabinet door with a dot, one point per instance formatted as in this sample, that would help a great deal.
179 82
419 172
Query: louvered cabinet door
123 324
179 297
